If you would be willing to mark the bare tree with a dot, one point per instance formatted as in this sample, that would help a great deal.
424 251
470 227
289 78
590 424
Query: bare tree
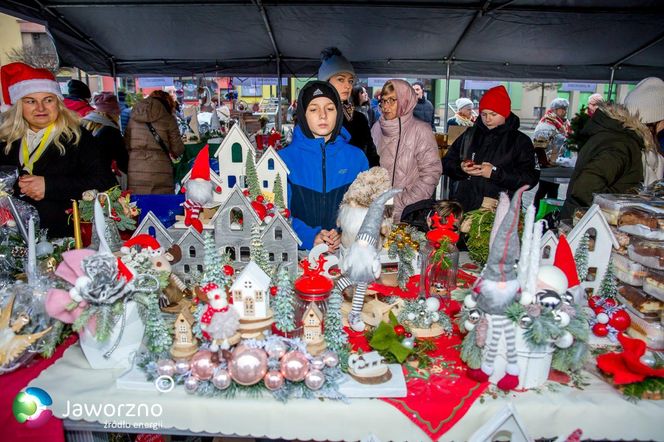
36 57
543 86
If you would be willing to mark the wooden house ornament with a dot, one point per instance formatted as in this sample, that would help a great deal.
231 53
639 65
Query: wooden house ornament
602 241
312 324
184 343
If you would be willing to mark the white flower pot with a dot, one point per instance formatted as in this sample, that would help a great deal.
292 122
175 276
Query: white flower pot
131 339
534 365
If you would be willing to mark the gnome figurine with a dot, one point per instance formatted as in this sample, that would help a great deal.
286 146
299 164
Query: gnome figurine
564 260
198 190
360 265
497 287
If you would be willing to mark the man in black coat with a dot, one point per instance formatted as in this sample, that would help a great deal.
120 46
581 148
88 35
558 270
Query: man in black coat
493 156
423 109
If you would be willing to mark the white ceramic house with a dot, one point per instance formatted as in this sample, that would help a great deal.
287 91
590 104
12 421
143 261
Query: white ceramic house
150 225
251 292
548 248
267 169
602 242
193 256
232 155
216 182
504 425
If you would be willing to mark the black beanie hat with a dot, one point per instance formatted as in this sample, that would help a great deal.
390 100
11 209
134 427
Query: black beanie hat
315 89
78 89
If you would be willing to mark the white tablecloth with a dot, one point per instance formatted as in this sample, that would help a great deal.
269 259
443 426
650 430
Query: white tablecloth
599 410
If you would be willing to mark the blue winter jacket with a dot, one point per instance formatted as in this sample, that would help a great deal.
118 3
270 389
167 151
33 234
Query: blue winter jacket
319 176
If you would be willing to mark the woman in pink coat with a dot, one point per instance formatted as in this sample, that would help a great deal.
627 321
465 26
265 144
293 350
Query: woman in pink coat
406 146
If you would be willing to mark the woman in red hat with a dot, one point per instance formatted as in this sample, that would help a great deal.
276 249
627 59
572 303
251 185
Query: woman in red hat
493 156
57 159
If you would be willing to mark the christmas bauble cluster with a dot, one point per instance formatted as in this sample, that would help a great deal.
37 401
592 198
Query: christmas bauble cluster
273 365
265 209
401 238
610 316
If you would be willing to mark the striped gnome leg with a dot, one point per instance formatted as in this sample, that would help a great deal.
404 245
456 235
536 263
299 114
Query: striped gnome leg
192 212
355 317
511 379
486 369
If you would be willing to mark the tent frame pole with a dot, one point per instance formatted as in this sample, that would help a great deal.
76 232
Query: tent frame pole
277 123
611 81
447 93
115 77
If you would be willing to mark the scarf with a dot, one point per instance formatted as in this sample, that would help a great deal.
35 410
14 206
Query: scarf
463 121
562 126
348 109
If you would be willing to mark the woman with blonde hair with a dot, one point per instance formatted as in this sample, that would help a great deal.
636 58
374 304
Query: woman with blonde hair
56 158
153 140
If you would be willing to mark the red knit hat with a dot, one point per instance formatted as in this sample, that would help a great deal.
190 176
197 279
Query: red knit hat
20 79
564 260
144 241
498 100
201 168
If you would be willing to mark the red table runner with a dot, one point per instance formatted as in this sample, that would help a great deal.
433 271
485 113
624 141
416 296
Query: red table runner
11 384
441 394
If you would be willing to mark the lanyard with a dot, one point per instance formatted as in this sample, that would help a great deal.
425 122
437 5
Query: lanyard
30 160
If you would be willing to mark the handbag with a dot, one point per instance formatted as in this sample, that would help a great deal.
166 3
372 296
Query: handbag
162 144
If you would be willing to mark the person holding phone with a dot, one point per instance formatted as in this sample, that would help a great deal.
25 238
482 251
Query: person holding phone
493 156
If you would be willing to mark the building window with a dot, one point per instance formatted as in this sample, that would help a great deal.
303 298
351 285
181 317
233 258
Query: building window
230 251
278 233
245 254
186 268
546 254
236 153
284 257
199 267
152 231
192 252
271 257
243 181
183 339
182 328
592 237
270 164
259 295
232 179
264 184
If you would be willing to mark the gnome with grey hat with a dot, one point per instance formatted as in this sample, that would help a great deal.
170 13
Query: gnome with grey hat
360 265
498 287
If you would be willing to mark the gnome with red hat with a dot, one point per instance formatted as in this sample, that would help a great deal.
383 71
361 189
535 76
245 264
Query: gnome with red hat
564 260
198 190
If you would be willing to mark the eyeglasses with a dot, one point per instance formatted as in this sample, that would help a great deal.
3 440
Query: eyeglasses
388 101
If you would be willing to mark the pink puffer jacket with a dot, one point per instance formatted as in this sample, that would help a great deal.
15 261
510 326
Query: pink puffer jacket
408 150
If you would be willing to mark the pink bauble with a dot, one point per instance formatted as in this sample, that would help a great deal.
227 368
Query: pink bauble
314 379
294 366
191 385
331 359
273 380
165 367
222 379
182 366
317 363
202 366
248 365
277 349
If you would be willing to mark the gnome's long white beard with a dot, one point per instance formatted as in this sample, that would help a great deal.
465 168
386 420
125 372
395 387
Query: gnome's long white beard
199 191
495 296
350 220
361 263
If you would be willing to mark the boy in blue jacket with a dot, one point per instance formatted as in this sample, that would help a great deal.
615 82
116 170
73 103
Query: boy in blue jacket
322 165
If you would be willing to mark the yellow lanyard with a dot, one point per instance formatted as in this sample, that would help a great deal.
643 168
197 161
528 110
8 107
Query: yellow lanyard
30 160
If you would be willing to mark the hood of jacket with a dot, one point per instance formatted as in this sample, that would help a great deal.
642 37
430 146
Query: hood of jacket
149 110
302 123
616 118
406 97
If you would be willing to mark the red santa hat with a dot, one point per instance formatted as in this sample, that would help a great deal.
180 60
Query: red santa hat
20 79
201 167
564 260
144 241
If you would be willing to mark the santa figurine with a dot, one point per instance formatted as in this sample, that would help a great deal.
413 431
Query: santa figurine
219 321
198 190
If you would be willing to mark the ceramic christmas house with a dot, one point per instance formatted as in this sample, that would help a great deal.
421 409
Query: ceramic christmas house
268 167
150 225
251 292
184 343
548 248
232 155
232 227
281 243
602 241
192 246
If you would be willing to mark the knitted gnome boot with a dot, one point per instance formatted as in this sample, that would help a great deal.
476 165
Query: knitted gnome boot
511 379
480 374
191 219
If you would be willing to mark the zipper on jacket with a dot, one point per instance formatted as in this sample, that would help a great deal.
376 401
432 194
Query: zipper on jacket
324 167
396 154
